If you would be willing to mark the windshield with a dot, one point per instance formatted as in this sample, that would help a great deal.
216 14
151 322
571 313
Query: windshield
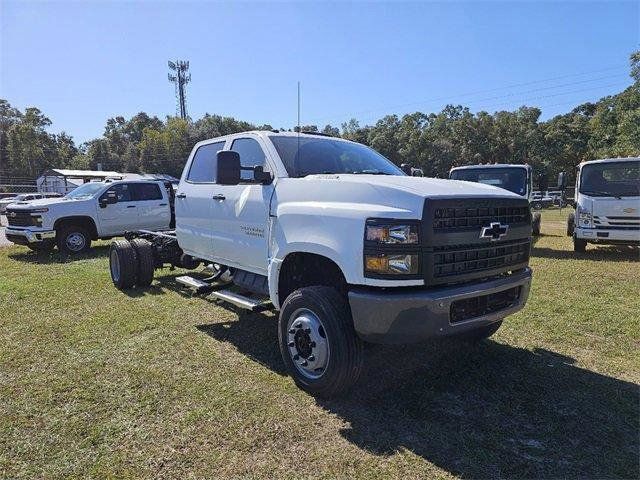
512 179
611 179
86 190
324 155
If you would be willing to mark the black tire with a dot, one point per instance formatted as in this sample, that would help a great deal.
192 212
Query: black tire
123 264
481 333
146 263
45 246
571 224
73 239
579 245
344 354
537 205
535 225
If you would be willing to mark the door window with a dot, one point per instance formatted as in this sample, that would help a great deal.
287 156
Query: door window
251 155
147 191
122 191
203 165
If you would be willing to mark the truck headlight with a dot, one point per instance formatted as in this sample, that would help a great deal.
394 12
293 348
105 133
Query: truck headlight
392 264
391 234
585 217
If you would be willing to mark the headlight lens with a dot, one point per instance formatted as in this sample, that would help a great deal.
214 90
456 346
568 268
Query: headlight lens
393 264
392 234
584 217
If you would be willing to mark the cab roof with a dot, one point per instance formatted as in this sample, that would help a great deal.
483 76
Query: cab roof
610 160
493 165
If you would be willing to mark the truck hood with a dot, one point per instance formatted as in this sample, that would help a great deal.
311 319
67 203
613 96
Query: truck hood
373 195
45 202
423 186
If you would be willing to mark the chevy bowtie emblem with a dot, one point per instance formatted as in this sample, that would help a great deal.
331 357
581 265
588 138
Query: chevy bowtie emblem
495 231
12 214
629 210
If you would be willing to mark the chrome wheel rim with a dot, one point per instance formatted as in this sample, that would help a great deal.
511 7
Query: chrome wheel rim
115 266
307 343
75 241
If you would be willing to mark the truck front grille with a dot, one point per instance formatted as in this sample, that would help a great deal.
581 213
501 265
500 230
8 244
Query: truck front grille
456 247
464 217
475 307
20 218
463 259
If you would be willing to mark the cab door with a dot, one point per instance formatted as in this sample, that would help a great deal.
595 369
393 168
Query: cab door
154 212
116 218
194 202
240 213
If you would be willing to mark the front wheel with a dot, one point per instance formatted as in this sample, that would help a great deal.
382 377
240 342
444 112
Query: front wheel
318 343
571 224
535 225
579 245
73 239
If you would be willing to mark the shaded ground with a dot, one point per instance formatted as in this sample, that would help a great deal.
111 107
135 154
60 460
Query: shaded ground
156 384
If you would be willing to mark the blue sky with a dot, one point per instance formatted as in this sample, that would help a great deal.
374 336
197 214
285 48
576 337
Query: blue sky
82 62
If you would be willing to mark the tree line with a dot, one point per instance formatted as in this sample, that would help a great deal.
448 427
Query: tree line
435 142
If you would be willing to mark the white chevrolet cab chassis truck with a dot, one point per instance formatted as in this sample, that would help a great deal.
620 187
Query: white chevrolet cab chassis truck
513 177
343 244
92 211
607 200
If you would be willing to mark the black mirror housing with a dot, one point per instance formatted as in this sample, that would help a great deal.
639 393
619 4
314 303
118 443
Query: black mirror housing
228 167
109 198
260 176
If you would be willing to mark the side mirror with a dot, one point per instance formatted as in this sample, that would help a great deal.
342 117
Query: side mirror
562 181
406 168
109 198
228 168
260 176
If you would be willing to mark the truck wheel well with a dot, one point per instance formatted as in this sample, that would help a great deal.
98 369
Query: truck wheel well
306 269
86 222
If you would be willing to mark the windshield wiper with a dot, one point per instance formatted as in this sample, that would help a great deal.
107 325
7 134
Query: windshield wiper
368 172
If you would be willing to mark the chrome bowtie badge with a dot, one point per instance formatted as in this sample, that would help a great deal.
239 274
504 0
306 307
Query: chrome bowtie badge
494 231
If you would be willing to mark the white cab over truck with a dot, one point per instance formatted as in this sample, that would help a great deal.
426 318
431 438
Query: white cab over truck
515 178
347 247
92 211
607 203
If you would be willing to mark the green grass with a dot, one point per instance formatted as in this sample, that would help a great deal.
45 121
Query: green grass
156 384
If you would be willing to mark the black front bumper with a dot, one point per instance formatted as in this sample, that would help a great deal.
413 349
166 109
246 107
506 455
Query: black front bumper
414 315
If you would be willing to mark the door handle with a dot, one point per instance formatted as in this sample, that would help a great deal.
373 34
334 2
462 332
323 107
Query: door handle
162 205
219 196
181 195
131 206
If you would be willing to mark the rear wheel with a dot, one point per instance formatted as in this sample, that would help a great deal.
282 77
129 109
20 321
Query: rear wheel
146 263
318 344
579 245
123 264
73 239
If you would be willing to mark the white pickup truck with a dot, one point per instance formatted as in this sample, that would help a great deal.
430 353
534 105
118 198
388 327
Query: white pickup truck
345 245
607 203
92 211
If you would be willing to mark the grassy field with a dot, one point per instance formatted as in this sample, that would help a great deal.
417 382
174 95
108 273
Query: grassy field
157 384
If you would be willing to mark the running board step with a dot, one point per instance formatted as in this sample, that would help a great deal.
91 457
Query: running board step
241 301
196 284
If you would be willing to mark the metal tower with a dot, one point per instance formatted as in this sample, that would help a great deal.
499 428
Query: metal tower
180 80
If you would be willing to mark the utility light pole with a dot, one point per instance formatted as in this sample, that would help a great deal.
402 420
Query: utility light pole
180 80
